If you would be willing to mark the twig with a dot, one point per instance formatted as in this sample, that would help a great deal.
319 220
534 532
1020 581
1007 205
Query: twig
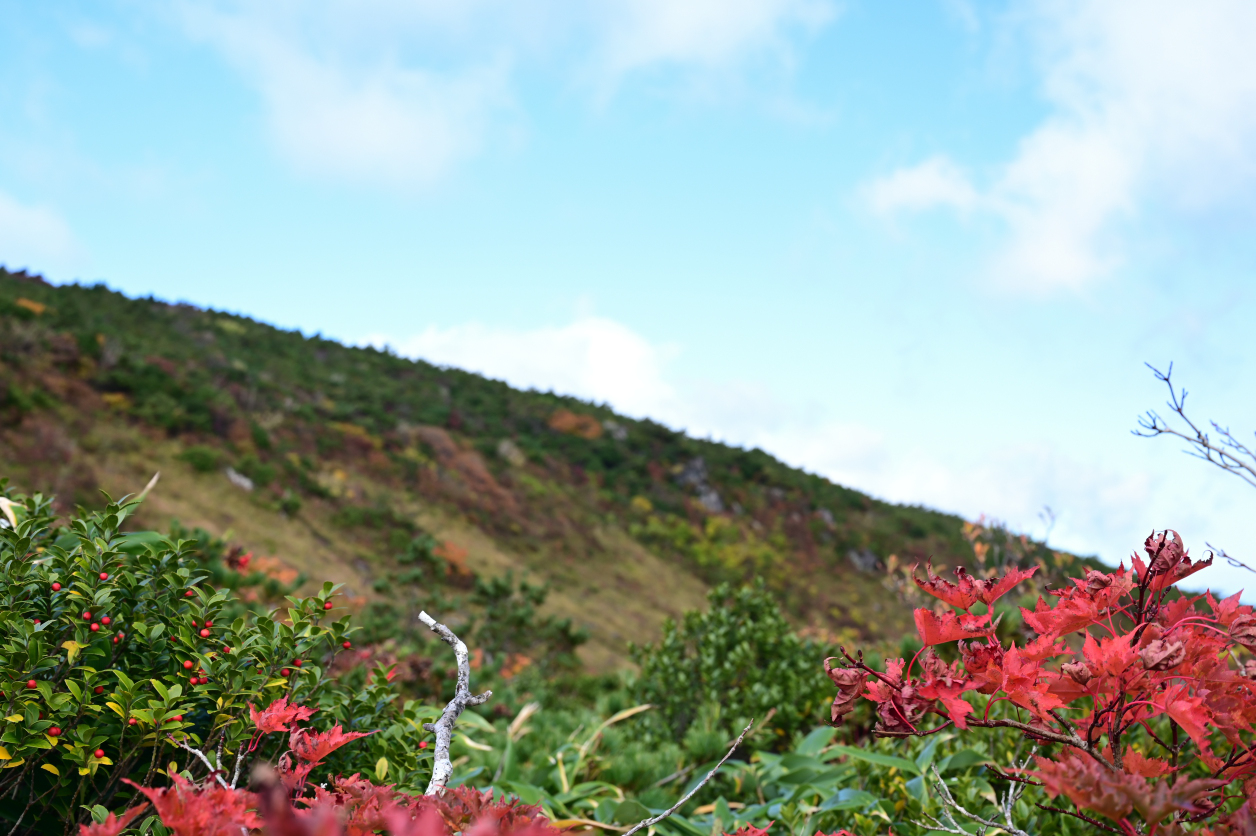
1228 558
1229 454
212 771
1077 815
948 824
443 768
650 822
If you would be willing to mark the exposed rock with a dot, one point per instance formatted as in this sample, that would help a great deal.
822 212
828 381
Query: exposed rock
239 479
710 500
826 517
694 475
615 430
863 560
509 452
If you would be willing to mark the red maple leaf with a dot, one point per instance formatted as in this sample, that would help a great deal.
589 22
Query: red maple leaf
1189 713
202 809
969 590
949 627
1025 684
311 746
946 683
279 716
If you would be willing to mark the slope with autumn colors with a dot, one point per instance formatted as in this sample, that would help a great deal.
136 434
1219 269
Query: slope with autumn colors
327 460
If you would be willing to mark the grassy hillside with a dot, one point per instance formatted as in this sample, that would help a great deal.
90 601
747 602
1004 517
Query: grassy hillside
356 455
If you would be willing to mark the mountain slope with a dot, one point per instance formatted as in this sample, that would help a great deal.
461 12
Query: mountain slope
352 453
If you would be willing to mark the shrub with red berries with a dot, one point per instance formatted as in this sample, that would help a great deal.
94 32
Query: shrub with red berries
107 676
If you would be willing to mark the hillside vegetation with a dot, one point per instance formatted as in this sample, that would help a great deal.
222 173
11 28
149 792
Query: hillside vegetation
408 482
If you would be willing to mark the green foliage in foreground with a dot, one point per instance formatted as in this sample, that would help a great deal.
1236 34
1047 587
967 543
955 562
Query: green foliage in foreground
741 659
579 746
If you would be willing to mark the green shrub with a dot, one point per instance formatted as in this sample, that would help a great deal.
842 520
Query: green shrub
741 654
117 653
203 459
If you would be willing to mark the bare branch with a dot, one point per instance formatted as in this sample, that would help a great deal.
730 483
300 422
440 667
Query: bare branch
1229 558
951 807
444 727
650 822
212 771
1225 451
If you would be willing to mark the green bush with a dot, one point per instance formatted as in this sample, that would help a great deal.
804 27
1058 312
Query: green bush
742 655
203 459
117 655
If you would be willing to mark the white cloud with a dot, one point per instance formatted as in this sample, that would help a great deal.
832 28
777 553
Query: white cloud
1153 103
640 33
36 237
375 122
932 183
593 358
395 94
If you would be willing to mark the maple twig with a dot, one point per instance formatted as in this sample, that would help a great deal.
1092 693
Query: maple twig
1085 818
650 822
1074 741
442 767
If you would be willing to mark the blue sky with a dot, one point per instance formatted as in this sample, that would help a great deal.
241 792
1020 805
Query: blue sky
921 248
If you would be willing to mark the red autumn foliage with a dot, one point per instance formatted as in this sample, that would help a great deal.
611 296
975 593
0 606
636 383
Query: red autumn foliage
279 716
203 809
1138 693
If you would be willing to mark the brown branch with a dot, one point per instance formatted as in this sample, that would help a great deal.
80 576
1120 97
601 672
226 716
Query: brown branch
1084 818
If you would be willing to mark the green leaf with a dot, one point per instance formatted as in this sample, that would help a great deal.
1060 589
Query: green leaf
902 764
816 740
381 769
848 799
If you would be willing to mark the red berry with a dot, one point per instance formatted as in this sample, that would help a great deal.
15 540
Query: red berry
30 683
178 718
87 616
54 732
209 624
347 645
194 680
131 721
115 638
187 594
327 606
106 620
297 662
56 587
422 744
204 634
187 664
226 649
284 672
104 576
37 621
100 753
95 628
100 689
